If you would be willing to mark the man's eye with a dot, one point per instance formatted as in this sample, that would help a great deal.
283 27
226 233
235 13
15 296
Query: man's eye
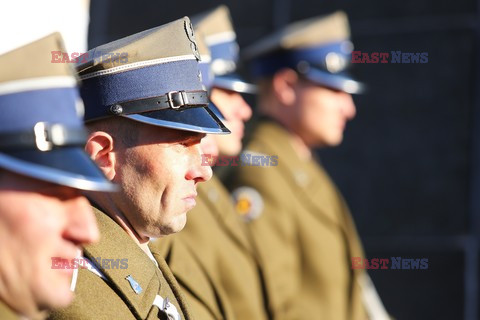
183 144
189 142
58 194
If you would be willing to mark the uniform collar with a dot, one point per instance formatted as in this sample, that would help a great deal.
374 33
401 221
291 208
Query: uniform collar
307 177
314 184
172 282
6 313
278 141
116 244
188 271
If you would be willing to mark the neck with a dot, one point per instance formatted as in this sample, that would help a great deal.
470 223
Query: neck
108 205
302 149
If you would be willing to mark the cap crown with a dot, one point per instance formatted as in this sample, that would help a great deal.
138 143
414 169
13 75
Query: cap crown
220 37
144 65
34 89
41 127
318 48
313 32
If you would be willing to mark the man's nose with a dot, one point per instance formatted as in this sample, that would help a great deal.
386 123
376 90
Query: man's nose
243 109
348 106
198 170
81 224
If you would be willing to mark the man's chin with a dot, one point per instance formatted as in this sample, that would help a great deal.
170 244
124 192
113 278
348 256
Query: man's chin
174 227
41 314
180 225
334 141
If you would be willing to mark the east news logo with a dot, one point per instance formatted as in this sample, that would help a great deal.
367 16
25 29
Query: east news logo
389 57
394 263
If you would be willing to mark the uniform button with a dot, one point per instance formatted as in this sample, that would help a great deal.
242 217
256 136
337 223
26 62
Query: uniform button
301 178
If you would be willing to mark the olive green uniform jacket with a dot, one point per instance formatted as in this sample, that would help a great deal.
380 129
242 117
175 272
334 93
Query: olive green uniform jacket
304 234
116 297
220 249
6 313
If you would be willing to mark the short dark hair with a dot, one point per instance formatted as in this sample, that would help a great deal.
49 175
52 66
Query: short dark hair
123 130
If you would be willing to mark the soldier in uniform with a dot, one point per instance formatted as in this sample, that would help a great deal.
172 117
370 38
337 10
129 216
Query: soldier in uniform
43 170
214 234
297 218
146 112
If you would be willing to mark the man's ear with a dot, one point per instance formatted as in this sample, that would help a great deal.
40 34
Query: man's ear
99 147
284 86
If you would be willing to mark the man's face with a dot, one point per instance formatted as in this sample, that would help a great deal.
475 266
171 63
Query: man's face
236 112
158 176
322 113
40 221
209 146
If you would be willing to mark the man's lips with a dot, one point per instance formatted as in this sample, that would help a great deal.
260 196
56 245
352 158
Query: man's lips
190 200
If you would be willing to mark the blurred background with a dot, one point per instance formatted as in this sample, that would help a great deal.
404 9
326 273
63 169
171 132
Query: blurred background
410 163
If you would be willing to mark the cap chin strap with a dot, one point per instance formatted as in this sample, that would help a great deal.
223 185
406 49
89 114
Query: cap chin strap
44 137
170 100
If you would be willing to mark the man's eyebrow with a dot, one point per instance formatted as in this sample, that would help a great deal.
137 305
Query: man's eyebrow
192 136
174 136
200 135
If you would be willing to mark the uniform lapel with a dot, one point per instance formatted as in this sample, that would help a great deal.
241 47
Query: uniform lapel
218 201
188 272
307 183
6 313
172 283
315 190
116 244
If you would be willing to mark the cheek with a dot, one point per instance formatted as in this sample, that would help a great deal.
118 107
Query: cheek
169 169
34 217
138 171
46 226
36 234
179 163
141 161
313 114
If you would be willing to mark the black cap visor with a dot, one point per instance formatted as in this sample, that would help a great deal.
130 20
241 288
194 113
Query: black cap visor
68 166
234 82
342 82
197 119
